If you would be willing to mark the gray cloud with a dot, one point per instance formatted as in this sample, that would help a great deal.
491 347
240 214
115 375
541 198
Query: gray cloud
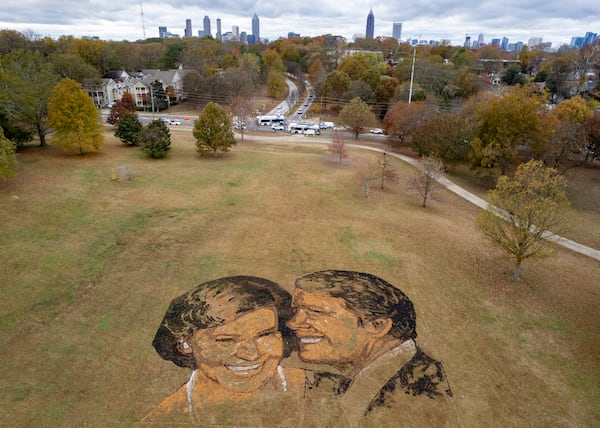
553 20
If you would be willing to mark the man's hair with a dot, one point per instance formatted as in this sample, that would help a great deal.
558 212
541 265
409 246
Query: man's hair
198 308
368 296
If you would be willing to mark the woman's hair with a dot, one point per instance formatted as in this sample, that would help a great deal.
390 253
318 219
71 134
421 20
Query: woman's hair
199 308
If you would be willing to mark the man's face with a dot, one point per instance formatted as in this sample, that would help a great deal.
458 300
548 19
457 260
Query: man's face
329 332
242 354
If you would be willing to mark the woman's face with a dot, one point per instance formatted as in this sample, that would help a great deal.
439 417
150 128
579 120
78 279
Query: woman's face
243 353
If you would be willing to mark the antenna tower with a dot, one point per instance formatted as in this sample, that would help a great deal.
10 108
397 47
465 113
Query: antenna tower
142 14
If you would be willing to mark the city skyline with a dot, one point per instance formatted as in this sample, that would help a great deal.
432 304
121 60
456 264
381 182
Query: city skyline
553 21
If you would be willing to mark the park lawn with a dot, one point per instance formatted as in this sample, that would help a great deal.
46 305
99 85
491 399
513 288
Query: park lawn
89 266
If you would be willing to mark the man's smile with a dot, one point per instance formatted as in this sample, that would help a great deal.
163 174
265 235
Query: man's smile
310 339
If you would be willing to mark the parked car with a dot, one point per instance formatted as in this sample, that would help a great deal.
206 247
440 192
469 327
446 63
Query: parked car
376 131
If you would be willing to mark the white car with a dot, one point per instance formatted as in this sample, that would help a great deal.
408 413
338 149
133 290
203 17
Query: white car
171 122
376 131
277 127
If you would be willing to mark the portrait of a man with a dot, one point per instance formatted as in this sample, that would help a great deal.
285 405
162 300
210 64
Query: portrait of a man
365 328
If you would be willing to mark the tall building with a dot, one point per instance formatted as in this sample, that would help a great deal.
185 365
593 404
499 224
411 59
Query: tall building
188 28
256 28
370 25
207 32
467 41
162 32
235 30
397 30
504 44
534 41
219 35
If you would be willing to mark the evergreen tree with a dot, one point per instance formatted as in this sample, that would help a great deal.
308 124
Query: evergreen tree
129 129
212 130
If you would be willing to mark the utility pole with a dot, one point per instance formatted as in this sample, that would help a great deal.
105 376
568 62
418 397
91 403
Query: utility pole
412 75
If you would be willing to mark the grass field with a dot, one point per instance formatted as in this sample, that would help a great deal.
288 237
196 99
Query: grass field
89 266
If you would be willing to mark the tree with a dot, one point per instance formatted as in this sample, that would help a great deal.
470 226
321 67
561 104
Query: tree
212 130
592 130
425 178
512 75
241 107
338 146
156 139
276 86
74 117
357 115
445 136
525 208
504 125
8 157
27 80
567 145
129 130
121 107
160 101
403 120
386 171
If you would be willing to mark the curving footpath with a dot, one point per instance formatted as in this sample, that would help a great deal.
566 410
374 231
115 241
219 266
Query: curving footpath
463 193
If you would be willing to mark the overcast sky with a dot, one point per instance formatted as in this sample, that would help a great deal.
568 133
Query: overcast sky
555 21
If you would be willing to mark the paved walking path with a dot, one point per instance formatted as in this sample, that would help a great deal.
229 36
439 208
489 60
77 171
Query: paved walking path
453 187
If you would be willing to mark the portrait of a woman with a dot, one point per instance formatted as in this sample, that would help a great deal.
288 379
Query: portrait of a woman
231 333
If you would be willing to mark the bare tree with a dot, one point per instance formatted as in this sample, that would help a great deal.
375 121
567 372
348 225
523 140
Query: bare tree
338 146
386 170
424 179
241 108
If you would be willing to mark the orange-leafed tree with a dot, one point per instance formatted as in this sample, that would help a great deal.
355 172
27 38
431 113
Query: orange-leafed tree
74 117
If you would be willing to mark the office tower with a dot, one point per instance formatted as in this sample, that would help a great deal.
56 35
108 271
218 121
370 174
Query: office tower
467 41
235 30
243 37
504 44
162 32
495 43
397 30
188 28
256 28
370 25
480 42
207 32
219 35
534 41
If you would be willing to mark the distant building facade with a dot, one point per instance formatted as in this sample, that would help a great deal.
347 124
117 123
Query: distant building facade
256 28
188 28
206 23
219 36
397 30
369 34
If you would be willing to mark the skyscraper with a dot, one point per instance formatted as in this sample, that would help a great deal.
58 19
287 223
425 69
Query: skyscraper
397 30
256 28
370 25
207 27
162 32
219 34
188 28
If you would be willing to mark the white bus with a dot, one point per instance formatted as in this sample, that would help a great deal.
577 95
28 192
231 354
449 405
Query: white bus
301 128
269 120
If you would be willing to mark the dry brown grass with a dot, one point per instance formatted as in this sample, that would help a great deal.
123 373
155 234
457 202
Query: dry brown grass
89 265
